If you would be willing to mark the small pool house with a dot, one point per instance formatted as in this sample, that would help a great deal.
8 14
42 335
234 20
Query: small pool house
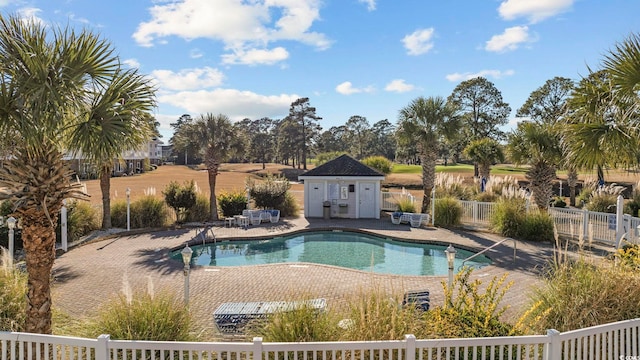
342 188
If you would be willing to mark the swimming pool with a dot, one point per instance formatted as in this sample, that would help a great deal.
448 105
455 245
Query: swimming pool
347 249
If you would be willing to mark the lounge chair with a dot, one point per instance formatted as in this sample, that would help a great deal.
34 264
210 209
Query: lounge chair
274 216
255 217
416 219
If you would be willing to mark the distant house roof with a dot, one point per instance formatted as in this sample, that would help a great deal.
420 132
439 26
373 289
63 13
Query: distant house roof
343 165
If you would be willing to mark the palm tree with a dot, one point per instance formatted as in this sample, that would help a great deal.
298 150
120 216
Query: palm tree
623 65
116 119
601 126
46 78
484 152
216 138
426 121
538 145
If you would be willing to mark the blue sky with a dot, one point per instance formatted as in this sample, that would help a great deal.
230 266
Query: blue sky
252 58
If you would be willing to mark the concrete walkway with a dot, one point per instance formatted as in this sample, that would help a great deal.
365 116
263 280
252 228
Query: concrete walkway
88 275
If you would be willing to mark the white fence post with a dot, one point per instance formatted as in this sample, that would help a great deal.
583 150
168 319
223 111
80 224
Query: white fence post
475 211
554 347
585 223
63 225
257 348
410 349
619 220
102 347
433 206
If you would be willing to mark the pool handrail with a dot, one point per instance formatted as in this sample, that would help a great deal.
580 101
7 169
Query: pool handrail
491 247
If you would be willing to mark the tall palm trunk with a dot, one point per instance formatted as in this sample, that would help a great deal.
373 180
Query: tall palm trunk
39 239
428 156
213 167
484 169
540 177
572 181
105 188
38 180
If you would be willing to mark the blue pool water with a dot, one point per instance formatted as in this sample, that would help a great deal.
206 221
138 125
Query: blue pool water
339 248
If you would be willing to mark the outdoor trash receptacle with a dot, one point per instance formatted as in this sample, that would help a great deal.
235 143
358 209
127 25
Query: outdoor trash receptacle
326 210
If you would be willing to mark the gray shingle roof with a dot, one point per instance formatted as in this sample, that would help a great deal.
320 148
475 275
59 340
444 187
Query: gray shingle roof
343 165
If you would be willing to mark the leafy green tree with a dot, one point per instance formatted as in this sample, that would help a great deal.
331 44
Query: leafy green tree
261 142
332 140
383 142
306 119
118 119
48 78
485 152
426 121
359 135
181 147
482 109
180 198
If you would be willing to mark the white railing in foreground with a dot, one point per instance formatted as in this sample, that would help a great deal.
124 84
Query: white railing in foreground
620 340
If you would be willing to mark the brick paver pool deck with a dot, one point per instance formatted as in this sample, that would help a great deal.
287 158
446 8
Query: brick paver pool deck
88 275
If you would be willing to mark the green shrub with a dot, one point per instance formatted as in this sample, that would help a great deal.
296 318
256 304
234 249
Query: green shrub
13 295
82 219
508 216
448 212
632 206
559 202
406 205
232 202
144 316
6 208
270 193
536 226
145 212
468 311
300 325
380 163
149 212
289 207
146 164
602 202
200 211
579 294
119 214
629 255
180 198
486 197
375 315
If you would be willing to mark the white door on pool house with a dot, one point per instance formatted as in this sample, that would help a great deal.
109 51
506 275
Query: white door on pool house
367 199
316 197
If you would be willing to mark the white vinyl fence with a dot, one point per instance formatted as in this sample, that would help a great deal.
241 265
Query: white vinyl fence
589 226
390 199
620 340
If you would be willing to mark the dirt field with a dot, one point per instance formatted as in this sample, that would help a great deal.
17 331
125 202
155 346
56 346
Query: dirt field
233 177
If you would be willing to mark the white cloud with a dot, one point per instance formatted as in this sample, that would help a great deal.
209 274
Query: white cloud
256 56
187 79
30 14
234 103
132 63
534 10
419 42
371 4
496 74
195 54
240 25
399 85
509 40
346 88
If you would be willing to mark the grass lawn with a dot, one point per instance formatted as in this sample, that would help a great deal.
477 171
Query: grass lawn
462 169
